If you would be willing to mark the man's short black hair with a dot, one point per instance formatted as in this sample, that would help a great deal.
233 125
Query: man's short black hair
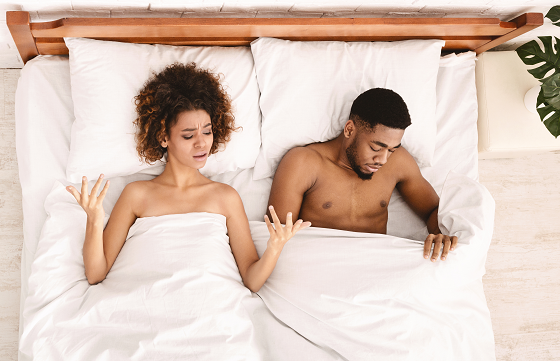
380 106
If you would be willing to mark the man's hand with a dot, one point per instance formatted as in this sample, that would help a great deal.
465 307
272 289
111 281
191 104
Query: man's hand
449 244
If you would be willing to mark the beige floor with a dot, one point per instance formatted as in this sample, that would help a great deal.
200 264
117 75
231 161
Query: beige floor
522 283
11 220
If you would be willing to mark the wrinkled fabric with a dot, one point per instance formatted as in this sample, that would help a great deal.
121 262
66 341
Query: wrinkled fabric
374 297
174 292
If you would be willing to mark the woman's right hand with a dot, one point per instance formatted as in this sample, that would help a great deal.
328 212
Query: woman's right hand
279 234
91 203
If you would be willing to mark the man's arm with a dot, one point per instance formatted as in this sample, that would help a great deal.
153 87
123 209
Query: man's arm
419 194
295 175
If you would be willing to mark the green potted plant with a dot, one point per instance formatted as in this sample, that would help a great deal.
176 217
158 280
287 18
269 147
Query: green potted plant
547 71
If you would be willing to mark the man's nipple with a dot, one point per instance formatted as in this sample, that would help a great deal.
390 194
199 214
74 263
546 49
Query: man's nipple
327 205
383 204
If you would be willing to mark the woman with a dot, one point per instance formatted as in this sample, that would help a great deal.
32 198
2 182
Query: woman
184 113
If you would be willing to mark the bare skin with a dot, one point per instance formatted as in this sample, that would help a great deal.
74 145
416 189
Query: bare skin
318 183
179 189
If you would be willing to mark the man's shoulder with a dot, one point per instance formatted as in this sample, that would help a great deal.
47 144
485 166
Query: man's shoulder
301 161
306 157
403 164
308 152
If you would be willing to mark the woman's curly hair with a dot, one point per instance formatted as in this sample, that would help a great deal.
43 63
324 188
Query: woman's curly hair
177 88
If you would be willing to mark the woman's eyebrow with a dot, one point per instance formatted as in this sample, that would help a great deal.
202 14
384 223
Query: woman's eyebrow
193 129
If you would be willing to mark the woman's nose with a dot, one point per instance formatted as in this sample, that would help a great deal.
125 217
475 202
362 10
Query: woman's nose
199 141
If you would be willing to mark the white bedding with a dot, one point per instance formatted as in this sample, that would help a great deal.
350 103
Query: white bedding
43 122
372 296
174 292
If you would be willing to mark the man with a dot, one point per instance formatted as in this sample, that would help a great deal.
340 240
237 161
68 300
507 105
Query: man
346 183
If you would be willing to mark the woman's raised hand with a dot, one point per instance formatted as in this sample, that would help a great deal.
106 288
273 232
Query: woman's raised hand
91 203
279 234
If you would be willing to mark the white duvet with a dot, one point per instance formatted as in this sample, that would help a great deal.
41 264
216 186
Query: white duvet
374 297
174 292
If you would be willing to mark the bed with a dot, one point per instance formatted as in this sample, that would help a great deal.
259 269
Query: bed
375 296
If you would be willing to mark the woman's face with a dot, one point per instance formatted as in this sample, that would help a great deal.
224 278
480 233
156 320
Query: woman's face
190 139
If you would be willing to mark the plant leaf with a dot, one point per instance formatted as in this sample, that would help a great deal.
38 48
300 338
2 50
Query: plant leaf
553 122
554 15
540 98
531 54
551 90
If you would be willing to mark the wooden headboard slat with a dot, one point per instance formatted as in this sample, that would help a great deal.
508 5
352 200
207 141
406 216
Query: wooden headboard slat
19 25
478 34
524 23
195 28
49 46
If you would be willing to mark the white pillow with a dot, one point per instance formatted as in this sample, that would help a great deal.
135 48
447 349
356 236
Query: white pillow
307 90
105 78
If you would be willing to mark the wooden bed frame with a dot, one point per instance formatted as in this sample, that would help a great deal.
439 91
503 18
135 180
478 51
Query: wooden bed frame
460 34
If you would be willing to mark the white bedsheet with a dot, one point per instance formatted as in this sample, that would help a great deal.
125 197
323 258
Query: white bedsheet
43 121
374 297
174 292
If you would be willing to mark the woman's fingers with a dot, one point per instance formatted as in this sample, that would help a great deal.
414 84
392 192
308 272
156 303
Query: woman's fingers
74 192
84 188
96 186
104 191
84 196
290 229
297 226
268 225
275 218
289 223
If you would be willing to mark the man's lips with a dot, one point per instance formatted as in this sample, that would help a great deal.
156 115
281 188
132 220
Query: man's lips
372 169
200 156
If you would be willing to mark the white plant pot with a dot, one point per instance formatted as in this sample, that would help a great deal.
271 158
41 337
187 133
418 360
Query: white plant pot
531 99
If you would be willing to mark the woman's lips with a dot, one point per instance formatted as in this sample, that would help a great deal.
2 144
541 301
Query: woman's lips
200 156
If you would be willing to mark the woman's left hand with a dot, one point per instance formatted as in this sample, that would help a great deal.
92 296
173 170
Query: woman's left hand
279 234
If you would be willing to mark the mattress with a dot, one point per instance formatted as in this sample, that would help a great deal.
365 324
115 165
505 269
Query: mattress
44 116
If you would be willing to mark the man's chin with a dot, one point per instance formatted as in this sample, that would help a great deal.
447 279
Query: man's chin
363 175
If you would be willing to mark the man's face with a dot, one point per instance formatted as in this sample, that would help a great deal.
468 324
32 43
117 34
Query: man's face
370 149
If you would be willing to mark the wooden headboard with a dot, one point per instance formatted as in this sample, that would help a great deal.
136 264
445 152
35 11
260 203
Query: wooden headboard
477 34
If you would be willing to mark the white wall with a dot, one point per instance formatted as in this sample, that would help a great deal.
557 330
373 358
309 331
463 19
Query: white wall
45 10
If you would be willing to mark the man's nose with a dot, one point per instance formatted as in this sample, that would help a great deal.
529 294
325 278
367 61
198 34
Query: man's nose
381 157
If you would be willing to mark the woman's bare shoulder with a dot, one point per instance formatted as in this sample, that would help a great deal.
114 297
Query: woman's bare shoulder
135 193
222 190
138 188
226 196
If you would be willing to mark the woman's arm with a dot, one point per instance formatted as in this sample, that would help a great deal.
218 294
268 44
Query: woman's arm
255 271
101 247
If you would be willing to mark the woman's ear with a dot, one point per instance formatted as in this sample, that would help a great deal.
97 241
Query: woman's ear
164 141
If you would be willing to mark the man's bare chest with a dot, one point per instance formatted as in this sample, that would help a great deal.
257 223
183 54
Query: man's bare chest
349 197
